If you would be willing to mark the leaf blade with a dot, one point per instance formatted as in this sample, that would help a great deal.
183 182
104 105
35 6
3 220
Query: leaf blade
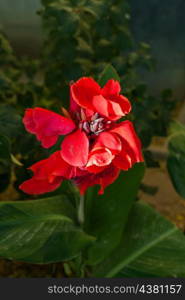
108 73
154 247
110 212
40 231
176 161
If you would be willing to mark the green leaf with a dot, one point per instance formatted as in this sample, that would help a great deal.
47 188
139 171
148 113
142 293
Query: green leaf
108 73
176 127
176 161
40 231
4 148
106 215
150 246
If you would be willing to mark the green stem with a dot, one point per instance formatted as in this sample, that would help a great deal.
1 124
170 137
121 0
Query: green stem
81 216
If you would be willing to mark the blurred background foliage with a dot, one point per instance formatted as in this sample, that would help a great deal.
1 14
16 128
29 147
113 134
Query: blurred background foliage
79 39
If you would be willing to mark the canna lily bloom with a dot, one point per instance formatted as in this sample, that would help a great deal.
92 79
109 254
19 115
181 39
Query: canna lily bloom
95 148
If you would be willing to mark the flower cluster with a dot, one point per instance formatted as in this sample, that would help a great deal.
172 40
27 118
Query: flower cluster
96 146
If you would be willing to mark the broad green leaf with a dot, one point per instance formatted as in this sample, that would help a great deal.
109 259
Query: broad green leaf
40 231
4 148
106 215
108 73
176 162
177 143
150 246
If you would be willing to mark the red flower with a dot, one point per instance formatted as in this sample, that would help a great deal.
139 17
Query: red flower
95 149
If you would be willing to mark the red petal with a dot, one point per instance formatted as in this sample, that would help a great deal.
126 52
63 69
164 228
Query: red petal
75 148
109 176
104 179
95 169
29 121
53 166
109 140
36 186
62 168
89 113
40 169
111 92
110 104
131 142
83 182
74 107
99 158
112 87
48 175
111 110
46 141
123 102
84 90
123 161
47 125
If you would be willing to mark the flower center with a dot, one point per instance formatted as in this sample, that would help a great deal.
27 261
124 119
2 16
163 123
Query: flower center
95 125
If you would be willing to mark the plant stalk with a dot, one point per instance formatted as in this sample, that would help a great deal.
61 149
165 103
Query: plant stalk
81 216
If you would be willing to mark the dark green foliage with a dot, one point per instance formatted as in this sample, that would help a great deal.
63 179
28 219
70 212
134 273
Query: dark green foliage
4 148
151 115
4 162
108 72
40 231
111 211
150 161
150 247
85 36
176 157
